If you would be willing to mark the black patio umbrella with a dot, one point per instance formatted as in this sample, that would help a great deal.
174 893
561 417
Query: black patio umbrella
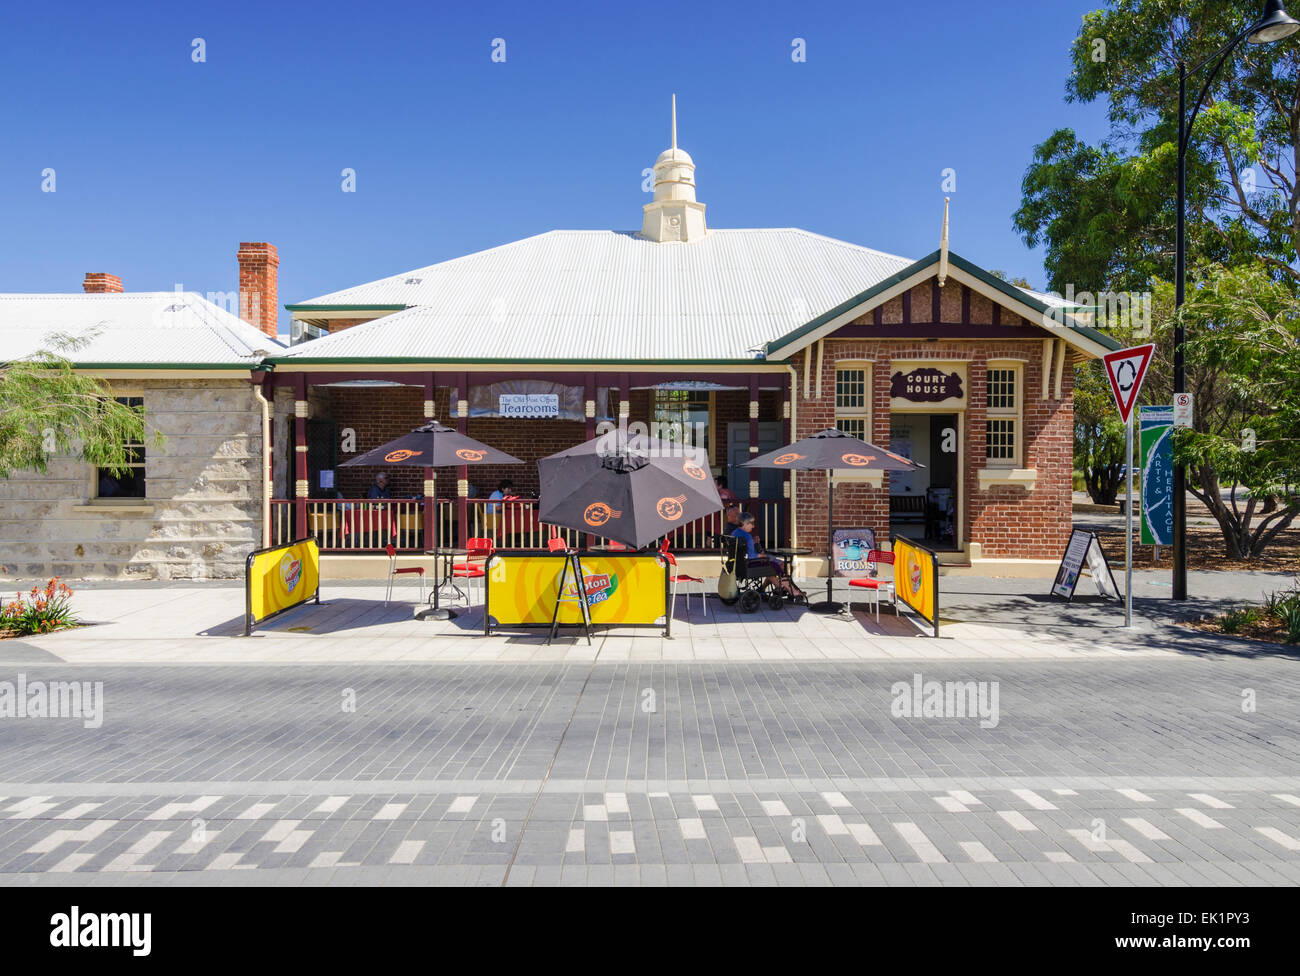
832 450
434 445
629 489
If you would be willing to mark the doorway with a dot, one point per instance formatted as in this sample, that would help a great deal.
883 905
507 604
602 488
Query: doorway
925 504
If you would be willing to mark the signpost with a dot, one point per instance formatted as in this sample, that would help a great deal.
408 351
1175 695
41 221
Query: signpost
1126 368
1156 451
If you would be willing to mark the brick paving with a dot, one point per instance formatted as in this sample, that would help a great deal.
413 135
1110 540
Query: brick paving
1097 772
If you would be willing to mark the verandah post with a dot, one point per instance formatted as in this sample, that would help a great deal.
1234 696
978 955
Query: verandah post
300 486
462 473
430 486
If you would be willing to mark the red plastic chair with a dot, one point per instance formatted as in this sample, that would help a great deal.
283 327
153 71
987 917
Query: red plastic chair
556 544
877 556
394 570
675 577
612 546
474 566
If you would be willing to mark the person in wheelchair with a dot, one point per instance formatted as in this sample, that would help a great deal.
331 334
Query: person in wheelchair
770 568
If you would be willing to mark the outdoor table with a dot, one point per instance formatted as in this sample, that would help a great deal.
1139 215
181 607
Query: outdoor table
448 556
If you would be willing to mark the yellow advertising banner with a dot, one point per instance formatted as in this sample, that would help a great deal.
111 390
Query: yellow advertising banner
916 579
630 590
281 578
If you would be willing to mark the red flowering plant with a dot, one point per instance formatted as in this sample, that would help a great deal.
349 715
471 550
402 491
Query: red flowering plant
44 609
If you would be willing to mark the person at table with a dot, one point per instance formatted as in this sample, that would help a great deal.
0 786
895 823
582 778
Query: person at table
724 493
505 491
772 567
380 488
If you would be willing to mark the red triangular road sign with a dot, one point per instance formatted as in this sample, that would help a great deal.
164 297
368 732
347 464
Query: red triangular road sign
1126 368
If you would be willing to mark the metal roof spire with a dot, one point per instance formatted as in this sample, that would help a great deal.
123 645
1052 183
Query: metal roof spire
674 120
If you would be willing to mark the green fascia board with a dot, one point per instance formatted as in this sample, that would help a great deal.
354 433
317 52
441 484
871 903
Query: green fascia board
346 308
239 366
478 360
932 259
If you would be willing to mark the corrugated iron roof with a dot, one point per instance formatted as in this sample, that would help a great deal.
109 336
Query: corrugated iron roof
163 328
606 295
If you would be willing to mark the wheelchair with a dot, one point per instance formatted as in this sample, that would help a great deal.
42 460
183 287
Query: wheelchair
741 585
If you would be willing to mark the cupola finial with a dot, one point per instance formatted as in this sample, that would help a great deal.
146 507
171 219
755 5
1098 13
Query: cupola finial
674 215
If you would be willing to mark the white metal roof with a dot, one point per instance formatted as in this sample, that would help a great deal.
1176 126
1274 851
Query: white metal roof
132 328
606 295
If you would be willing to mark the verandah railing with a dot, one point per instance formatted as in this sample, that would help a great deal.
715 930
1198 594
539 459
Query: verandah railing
366 525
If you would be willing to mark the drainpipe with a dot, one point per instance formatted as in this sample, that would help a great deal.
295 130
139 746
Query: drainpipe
257 381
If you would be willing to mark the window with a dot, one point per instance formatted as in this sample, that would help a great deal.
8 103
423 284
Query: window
1002 411
684 415
130 483
853 399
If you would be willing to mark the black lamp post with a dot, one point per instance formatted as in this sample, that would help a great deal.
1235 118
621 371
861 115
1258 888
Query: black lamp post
1273 25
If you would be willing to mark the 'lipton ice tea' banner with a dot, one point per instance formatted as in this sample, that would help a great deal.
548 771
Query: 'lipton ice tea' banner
629 590
280 578
916 579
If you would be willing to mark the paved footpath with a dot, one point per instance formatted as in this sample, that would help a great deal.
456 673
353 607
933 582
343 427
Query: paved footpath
1090 771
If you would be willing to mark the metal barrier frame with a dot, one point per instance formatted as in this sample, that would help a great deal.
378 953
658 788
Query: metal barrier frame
249 622
934 566
666 627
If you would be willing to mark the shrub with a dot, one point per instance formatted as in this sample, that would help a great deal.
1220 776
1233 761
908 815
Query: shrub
44 609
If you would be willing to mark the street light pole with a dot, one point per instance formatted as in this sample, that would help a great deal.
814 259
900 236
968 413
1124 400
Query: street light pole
1273 25
1180 370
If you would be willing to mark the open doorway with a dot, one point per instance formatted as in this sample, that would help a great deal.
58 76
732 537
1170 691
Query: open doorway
923 504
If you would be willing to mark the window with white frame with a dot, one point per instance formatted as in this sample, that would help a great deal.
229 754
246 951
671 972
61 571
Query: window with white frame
1002 415
129 482
853 398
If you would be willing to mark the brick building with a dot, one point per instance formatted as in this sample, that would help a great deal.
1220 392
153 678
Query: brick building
739 341
747 338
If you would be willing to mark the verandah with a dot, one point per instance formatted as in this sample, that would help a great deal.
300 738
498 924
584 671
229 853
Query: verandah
328 416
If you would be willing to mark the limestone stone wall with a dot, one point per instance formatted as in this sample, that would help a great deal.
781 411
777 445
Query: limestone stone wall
200 519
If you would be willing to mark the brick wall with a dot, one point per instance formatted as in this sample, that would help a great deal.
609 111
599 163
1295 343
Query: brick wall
1007 521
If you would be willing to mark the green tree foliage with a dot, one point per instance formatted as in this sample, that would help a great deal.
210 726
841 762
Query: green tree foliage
1105 212
47 408
1243 332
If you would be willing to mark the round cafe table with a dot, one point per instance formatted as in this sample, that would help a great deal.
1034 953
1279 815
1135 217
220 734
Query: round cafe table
448 555
788 552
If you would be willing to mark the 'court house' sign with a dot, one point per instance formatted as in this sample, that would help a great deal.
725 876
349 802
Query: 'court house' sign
926 384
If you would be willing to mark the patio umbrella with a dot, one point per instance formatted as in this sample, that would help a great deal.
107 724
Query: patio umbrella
832 450
432 446
629 489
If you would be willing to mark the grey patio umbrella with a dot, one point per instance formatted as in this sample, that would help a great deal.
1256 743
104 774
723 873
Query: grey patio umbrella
832 450
630 489
434 445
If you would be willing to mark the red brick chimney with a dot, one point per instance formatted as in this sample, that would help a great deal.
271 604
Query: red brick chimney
98 282
259 273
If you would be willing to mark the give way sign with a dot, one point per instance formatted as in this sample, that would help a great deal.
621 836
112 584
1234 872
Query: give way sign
1126 368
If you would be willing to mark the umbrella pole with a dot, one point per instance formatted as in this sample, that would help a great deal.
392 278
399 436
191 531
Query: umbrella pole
828 605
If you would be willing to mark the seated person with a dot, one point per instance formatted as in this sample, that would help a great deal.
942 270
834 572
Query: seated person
760 562
724 493
380 488
505 490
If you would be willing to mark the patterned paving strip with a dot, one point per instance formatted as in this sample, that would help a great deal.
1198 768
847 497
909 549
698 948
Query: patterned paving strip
1100 827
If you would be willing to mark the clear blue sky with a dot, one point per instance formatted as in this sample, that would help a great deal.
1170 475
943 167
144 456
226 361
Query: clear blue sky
164 165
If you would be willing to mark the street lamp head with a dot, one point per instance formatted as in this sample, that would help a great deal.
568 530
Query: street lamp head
1273 25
